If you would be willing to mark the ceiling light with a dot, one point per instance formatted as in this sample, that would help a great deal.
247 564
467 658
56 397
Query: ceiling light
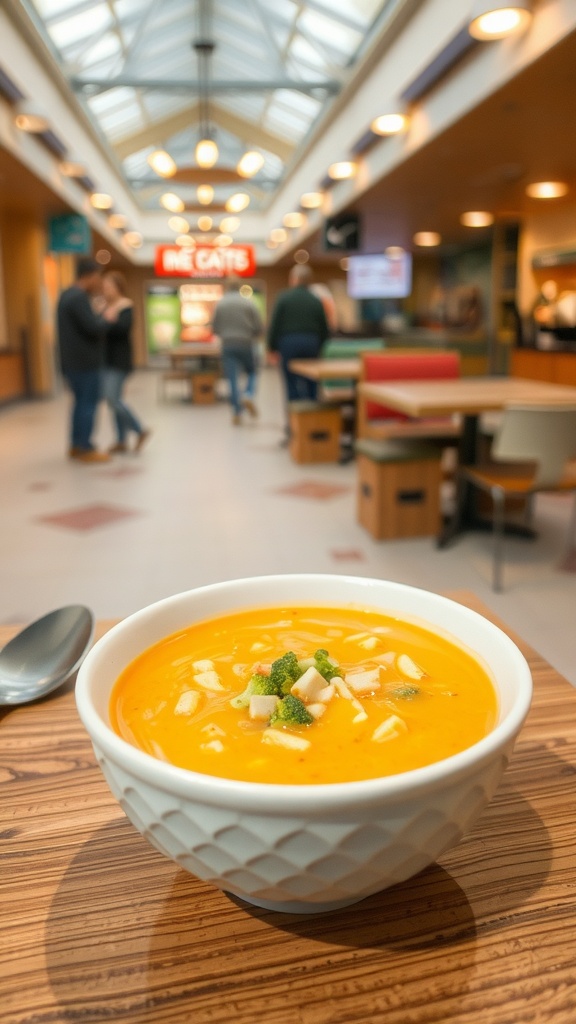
293 219
247 291
170 201
477 219
341 170
103 256
30 118
229 225
206 153
72 168
389 124
162 163
494 19
179 224
185 241
271 244
205 194
117 220
427 238
237 202
394 252
223 240
278 235
301 256
250 164
312 200
204 223
101 200
133 238
546 189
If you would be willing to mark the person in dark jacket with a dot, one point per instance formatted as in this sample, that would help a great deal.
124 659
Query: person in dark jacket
118 364
298 328
81 350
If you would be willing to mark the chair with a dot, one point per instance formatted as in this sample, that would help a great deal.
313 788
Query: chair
377 422
531 452
345 348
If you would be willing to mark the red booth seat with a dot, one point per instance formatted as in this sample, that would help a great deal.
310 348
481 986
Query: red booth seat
378 421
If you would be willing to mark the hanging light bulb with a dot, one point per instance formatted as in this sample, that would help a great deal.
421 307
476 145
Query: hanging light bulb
170 201
250 164
494 19
204 223
237 202
206 153
205 194
162 163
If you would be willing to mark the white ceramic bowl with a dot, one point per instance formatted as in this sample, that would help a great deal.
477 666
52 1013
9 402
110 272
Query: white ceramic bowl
303 848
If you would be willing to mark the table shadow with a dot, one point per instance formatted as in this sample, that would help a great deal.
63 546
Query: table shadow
151 936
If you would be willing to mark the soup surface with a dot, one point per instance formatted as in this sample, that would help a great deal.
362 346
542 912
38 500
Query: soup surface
305 695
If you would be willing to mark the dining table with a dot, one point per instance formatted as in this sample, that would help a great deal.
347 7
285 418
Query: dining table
469 397
203 353
96 925
327 369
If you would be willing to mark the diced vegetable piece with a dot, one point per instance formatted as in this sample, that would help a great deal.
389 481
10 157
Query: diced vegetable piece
343 690
363 682
209 680
262 706
213 730
360 717
279 738
316 710
390 729
386 659
356 637
325 665
187 703
291 711
216 745
257 684
312 687
408 667
203 666
370 643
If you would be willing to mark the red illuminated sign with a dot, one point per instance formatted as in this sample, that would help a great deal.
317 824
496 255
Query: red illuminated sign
205 261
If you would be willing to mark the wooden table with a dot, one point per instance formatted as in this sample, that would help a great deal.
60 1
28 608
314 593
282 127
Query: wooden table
202 352
327 369
97 926
469 396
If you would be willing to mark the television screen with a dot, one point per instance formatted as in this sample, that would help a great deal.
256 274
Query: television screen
380 276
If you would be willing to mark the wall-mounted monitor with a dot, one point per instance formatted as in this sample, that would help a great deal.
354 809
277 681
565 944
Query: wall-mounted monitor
380 276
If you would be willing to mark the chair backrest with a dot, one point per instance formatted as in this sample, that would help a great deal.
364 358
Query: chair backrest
406 365
545 435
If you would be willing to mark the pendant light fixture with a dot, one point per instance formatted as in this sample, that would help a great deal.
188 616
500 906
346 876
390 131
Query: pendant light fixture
206 152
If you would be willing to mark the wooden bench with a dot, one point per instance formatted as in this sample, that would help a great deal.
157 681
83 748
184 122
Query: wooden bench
315 430
398 489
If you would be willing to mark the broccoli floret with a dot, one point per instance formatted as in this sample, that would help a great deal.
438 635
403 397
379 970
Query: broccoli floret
324 666
284 673
291 711
257 684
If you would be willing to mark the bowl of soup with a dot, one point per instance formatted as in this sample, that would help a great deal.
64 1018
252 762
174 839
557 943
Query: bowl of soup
304 741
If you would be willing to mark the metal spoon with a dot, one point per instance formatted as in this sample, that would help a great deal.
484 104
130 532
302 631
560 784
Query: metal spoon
45 654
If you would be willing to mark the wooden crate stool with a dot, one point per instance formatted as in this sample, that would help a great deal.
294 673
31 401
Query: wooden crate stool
204 388
170 377
315 432
398 490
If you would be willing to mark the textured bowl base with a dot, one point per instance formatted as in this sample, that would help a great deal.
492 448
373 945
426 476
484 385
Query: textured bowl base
296 906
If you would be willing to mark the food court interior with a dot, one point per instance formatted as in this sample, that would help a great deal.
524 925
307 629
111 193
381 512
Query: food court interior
355 137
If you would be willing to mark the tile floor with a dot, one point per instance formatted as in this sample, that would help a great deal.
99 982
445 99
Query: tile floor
205 501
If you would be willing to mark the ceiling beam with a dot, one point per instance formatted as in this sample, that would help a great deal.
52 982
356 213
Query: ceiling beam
93 86
159 132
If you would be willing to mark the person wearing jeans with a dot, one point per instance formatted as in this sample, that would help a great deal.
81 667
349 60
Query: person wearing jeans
81 350
118 361
238 324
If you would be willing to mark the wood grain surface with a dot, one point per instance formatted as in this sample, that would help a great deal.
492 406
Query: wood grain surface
97 926
468 395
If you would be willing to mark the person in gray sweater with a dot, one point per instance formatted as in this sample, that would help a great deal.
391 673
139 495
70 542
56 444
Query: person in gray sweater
238 324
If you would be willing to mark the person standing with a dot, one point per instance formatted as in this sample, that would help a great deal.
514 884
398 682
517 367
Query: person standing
238 324
81 350
118 313
298 328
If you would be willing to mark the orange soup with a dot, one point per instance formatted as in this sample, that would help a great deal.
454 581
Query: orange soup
306 695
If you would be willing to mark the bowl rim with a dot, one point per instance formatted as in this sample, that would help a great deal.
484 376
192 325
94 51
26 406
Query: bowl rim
294 798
